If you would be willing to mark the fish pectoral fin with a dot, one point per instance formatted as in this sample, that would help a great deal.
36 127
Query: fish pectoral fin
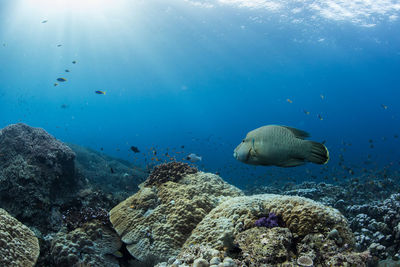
298 133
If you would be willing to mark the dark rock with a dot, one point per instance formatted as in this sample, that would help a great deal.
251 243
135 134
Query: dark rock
36 170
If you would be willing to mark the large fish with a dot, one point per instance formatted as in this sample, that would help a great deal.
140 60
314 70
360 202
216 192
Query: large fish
280 146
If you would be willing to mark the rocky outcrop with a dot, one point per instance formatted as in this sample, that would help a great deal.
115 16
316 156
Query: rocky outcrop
36 170
18 244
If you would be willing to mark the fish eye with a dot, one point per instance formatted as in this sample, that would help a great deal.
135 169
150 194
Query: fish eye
243 141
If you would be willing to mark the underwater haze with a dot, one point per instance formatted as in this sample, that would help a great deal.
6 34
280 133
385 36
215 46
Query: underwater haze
192 76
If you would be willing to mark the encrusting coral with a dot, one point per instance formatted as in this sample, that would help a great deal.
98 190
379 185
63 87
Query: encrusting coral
18 244
91 245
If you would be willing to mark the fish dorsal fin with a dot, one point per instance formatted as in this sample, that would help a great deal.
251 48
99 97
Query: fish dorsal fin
298 133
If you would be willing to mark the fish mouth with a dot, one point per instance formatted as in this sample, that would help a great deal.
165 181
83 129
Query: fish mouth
248 156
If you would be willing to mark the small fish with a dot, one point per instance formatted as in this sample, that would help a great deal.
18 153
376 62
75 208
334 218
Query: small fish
55 84
67 71
320 117
182 146
193 158
306 112
112 170
384 106
101 148
322 96
289 101
135 149
61 79
100 92
74 62
64 106
59 45
44 21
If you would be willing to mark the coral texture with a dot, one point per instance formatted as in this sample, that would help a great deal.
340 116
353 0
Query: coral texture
377 226
91 245
171 171
300 215
36 169
18 244
158 219
313 231
265 246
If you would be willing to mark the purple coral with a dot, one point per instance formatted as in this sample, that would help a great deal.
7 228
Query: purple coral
271 221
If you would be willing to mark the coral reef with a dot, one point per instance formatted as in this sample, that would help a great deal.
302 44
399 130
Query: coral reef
36 171
91 245
158 219
302 216
377 226
171 171
18 244
109 174
226 226
264 246
75 218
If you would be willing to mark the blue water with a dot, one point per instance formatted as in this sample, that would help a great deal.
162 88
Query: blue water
201 74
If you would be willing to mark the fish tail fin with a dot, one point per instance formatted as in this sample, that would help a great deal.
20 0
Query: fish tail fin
318 153
104 92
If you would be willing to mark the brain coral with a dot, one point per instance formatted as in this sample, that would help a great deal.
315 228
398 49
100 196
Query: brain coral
18 244
158 219
301 216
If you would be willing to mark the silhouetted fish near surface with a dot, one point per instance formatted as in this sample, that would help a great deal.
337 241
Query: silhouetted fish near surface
67 71
61 79
100 92
74 62
44 21
280 146
135 149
